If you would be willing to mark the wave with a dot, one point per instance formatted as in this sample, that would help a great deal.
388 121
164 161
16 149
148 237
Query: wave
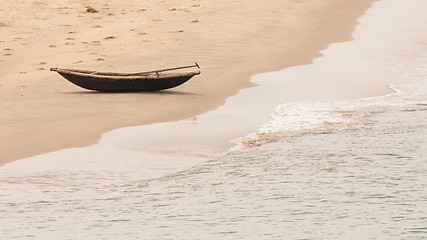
402 59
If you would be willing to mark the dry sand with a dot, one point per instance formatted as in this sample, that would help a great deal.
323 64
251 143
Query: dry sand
231 40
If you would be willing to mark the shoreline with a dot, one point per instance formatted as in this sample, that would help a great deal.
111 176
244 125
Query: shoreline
45 117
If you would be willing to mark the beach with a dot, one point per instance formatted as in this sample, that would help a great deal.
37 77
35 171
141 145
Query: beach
231 41
307 122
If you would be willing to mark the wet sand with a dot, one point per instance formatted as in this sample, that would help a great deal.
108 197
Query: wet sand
41 112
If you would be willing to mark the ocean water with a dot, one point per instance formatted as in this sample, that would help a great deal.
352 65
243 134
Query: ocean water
330 169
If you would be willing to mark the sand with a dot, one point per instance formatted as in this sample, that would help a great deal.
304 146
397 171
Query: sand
231 40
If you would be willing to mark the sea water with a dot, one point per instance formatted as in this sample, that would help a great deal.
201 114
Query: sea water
330 169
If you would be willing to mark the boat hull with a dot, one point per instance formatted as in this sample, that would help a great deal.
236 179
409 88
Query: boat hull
125 82
125 85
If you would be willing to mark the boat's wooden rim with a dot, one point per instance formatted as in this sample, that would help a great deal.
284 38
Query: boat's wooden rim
119 76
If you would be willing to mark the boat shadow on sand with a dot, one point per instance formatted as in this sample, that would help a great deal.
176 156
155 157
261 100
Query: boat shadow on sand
161 92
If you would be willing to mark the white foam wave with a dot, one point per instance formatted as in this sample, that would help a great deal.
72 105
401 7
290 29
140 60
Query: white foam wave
293 119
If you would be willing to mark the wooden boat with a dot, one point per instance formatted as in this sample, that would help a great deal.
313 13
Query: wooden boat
127 82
